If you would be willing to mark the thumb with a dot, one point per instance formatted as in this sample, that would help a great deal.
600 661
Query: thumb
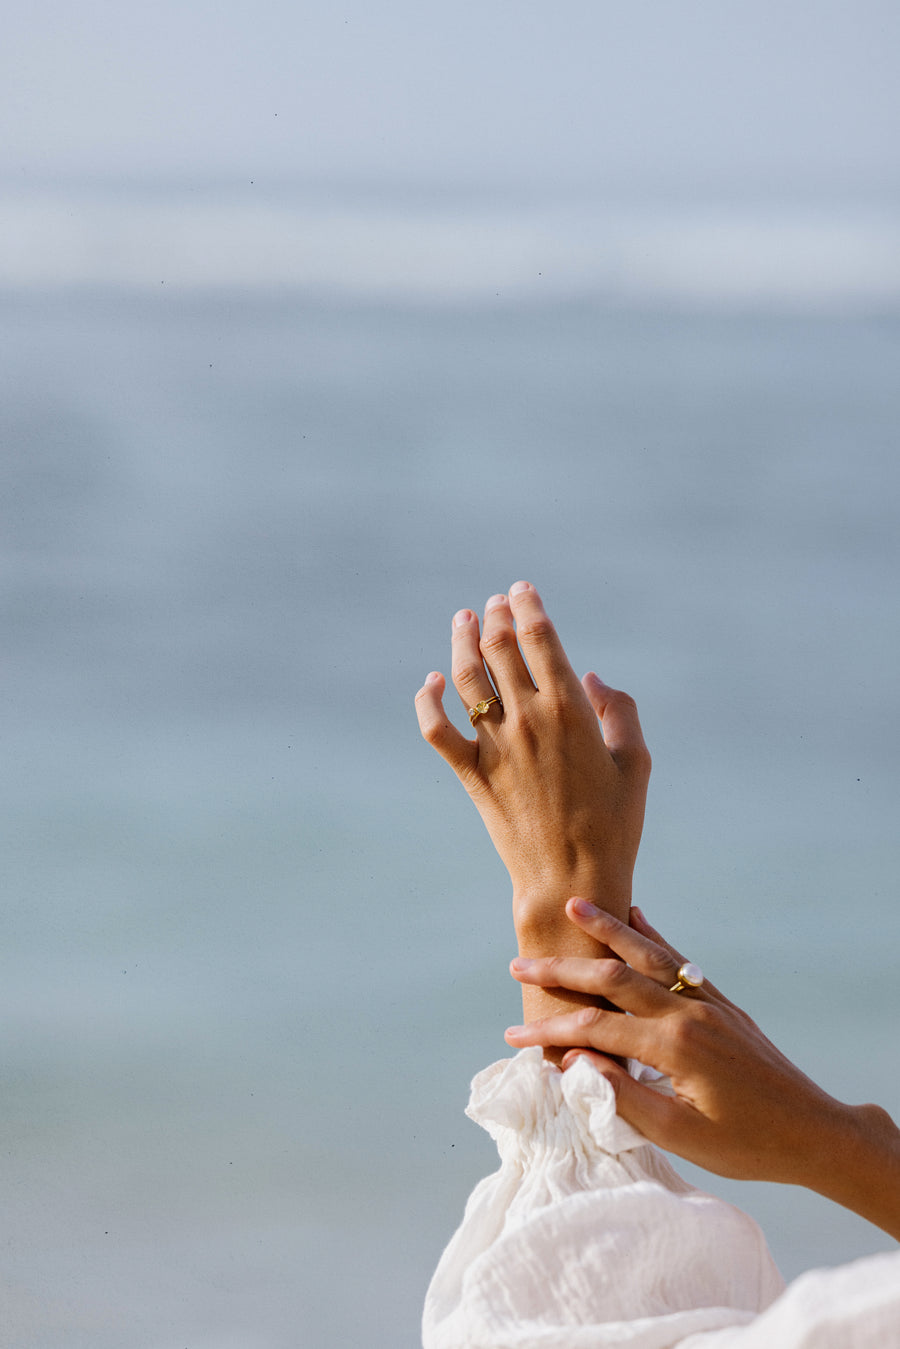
621 725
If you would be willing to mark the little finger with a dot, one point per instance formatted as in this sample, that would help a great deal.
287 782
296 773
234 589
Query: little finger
664 1120
594 1057
461 754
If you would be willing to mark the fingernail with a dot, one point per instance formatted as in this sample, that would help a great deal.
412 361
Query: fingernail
569 1059
514 1031
639 915
522 963
433 677
584 908
464 616
495 601
519 588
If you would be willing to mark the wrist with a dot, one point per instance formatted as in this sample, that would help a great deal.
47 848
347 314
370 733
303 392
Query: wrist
539 912
859 1166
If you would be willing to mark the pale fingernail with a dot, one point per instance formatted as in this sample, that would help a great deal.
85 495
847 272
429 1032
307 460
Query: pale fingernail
433 677
519 588
522 963
495 601
464 616
584 908
514 1031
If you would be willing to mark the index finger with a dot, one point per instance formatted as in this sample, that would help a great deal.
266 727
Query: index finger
540 644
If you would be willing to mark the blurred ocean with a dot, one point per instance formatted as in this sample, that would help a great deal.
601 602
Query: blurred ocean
255 939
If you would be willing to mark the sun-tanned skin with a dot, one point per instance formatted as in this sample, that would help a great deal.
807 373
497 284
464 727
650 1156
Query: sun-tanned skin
559 775
563 800
740 1108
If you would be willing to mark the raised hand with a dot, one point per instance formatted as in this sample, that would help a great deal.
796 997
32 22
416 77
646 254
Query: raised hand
562 799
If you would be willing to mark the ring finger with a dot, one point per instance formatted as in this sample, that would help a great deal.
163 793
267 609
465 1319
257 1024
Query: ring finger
470 677
662 963
610 1032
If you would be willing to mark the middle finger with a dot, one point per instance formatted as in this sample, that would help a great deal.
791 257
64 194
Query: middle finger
624 987
501 652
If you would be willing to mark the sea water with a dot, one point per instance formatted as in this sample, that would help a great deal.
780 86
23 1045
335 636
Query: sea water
255 938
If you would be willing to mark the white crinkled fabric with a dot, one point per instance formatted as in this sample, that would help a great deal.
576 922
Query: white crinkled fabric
587 1237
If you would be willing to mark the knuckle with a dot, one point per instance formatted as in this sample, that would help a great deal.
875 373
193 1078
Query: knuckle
877 1118
691 1023
660 967
468 674
496 642
589 1018
431 727
693 1027
556 713
522 731
616 975
537 628
640 757
622 700
549 971
705 1014
558 704
682 1034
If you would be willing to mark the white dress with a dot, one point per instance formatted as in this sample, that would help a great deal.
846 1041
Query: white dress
586 1237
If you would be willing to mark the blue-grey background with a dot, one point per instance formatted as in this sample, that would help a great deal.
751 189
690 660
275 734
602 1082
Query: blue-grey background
608 300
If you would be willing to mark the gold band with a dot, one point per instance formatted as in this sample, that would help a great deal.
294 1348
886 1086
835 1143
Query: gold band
480 708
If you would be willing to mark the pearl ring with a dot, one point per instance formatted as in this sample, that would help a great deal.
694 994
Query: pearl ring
689 976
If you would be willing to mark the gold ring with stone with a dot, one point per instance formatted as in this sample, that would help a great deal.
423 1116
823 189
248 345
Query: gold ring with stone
689 976
480 708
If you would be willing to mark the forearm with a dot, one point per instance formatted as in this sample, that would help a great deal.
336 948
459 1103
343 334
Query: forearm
859 1166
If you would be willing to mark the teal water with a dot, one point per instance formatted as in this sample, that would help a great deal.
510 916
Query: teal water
255 941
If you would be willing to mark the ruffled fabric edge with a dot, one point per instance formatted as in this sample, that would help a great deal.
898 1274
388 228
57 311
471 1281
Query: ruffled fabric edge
586 1235
514 1099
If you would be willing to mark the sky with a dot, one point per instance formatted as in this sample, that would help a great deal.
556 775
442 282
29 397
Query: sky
778 98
